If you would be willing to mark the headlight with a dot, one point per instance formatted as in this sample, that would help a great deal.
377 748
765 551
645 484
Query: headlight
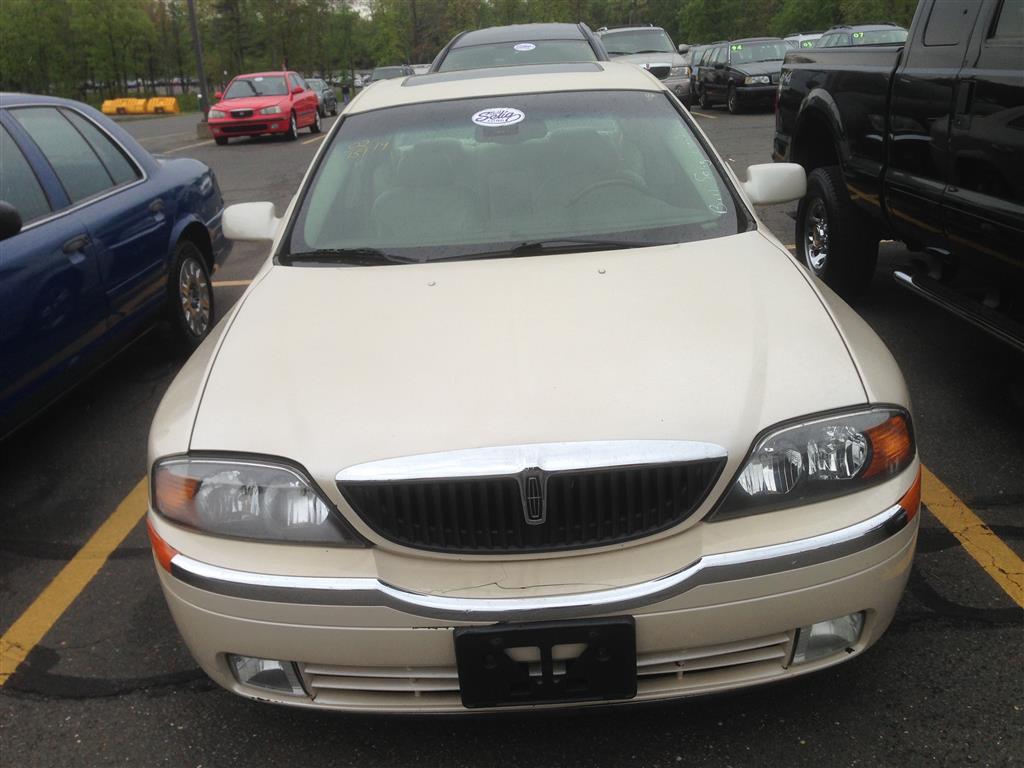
680 71
247 499
274 110
757 80
216 114
820 458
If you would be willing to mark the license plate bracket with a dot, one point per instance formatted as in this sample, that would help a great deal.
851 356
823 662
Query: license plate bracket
604 670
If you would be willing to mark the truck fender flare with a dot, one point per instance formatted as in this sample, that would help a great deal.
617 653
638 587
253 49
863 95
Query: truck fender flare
819 106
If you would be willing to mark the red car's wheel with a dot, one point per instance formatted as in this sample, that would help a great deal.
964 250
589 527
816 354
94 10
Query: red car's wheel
293 129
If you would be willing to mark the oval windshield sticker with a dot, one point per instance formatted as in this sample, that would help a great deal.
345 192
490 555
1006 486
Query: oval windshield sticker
498 116
524 46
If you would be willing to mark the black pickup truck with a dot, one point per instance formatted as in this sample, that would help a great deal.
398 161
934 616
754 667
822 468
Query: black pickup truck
921 142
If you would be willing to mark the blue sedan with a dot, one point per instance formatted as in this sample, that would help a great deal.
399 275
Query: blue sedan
99 242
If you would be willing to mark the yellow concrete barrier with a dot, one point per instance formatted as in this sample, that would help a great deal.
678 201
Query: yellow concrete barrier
160 105
124 107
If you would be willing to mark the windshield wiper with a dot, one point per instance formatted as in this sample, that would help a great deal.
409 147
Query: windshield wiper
359 257
540 247
652 51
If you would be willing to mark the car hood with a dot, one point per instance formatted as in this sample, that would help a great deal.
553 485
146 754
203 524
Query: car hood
709 341
758 68
672 59
250 102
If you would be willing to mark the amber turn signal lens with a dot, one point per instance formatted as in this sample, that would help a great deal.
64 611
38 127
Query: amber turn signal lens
892 448
911 501
174 496
163 551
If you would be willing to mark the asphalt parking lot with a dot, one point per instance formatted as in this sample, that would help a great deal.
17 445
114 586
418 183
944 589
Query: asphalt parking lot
110 682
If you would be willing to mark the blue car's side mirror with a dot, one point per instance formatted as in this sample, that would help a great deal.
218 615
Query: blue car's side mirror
10 220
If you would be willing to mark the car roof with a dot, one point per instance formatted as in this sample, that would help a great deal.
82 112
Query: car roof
635 28
885 25
517 32
756 40
262 74
504 81
11 99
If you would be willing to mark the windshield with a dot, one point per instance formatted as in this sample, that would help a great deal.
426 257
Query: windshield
386 73
879 37
514 54
243 87
637 41
317 84
476 177
744 53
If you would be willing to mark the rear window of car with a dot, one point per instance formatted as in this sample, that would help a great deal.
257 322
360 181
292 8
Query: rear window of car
245 87
878 37
637 41
515 54
457 178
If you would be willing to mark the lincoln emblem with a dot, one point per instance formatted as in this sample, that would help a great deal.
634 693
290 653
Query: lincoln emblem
533 499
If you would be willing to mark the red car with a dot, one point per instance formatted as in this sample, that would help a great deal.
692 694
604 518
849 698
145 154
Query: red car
264 102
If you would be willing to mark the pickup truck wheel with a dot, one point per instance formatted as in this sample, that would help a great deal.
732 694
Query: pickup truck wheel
189 297
831 237
733 101
704 100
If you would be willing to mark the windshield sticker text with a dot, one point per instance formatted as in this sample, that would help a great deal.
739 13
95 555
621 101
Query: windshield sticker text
498 116
362 148
524 46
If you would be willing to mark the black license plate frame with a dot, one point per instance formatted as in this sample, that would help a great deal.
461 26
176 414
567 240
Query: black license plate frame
604 671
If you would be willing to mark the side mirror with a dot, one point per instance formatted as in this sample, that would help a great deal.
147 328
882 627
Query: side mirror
218 95
253 222
10 220
771 183
719 65
297 89
683 48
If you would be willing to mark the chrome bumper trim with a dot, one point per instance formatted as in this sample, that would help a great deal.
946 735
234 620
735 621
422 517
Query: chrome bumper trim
361 591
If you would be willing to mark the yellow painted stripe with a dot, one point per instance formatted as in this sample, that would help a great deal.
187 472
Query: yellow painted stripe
230 283
999 561
703 114
189 146
39 617
315 138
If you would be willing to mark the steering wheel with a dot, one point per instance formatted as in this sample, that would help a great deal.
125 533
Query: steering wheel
614 182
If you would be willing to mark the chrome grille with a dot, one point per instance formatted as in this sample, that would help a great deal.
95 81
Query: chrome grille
580 508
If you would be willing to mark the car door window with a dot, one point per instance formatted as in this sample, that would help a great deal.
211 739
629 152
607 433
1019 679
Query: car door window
18 183
946 23
1010 25
296 80
76 164
121 170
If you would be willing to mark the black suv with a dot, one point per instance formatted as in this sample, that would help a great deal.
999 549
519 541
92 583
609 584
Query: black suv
519 44
741 73
862 34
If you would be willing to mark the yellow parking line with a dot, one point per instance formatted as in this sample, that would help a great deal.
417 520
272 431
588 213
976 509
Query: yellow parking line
999 561
315 138
703 114
230 283
189 146
23 635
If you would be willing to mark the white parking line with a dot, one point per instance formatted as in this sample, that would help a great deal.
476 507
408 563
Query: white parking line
189 146
702 114
164 136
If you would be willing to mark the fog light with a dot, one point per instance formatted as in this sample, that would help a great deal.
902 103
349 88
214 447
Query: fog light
827 637
269 674
273 126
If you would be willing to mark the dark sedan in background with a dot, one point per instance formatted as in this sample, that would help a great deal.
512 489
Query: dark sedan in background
520 44
99 241
742 73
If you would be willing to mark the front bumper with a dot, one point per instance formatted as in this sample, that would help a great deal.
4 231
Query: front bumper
756 94
680 86
254 126
725 621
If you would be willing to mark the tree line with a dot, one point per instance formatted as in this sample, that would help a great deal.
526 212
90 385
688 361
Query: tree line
90 49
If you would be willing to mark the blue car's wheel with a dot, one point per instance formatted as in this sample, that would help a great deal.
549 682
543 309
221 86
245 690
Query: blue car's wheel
190 297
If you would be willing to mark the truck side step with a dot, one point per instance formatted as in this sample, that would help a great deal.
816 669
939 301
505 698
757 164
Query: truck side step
1003 328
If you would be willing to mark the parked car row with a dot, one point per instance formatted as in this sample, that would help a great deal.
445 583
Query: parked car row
99 241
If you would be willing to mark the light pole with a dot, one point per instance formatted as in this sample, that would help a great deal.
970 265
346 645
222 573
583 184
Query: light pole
197 44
